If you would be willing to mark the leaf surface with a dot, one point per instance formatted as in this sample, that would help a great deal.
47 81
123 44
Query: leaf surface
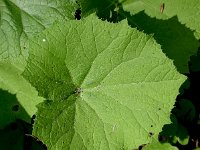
107 86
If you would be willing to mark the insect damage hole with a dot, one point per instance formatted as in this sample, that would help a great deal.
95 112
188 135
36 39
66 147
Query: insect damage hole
151 134
78 14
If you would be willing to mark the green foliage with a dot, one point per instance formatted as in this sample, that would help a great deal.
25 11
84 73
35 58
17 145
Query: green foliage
19 21
177 40
107 81
106 98
187 12
23 19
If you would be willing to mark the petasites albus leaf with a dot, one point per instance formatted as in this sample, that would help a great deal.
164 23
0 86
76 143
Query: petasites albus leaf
108 86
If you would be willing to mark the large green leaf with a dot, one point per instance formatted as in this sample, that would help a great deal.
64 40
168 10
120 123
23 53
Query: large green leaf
187 11
108 86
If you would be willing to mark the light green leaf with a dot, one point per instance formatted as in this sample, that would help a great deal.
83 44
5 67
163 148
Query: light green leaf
108 86
187 12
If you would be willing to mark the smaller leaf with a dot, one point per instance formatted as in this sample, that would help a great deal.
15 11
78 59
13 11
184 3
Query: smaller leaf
187 13
159 146
182 135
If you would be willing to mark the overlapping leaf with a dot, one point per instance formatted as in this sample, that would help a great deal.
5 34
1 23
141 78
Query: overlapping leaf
108 86
187 11
20 20
177 40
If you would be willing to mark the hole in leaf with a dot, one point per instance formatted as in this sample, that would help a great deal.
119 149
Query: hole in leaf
151 125
151 134
141 146
15 108
78 14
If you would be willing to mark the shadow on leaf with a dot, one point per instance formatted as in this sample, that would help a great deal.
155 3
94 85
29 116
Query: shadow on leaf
177 41
10 109
13 128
